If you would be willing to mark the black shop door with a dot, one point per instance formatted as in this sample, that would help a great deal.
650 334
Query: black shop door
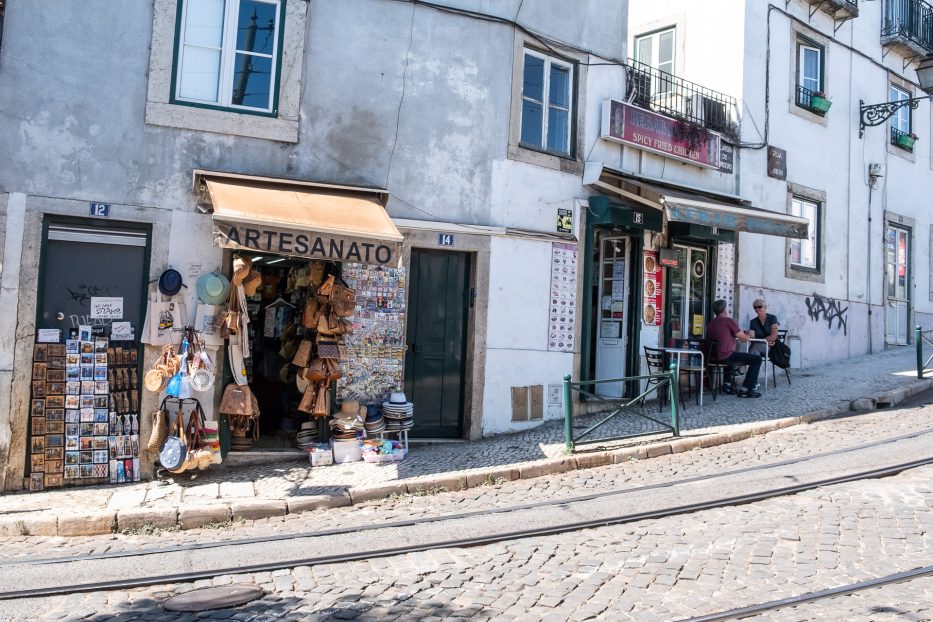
83 260
436 339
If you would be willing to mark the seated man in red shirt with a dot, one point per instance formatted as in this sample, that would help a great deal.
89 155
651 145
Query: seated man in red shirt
725 331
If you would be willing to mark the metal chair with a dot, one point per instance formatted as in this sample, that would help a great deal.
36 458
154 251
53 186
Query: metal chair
715 370
692 369
656 360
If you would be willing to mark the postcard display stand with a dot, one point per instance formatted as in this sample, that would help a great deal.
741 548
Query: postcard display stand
84 413
373 367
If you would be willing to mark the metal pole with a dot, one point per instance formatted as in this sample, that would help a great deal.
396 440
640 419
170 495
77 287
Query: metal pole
675 420
918 339
568 415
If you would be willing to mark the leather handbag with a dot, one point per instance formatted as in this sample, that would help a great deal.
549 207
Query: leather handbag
311 313
324 291
342 300
303 354
333 371
323 325
328 348
321 401
316 371
307 399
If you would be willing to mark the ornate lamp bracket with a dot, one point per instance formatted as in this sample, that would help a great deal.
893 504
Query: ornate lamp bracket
876 114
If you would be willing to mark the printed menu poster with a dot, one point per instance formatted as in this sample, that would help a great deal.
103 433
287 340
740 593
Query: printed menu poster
562 312
725 269
651 289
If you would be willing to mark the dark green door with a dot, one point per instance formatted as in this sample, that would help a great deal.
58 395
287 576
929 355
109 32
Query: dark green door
436 338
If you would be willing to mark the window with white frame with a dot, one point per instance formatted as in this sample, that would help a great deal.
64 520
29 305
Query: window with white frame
228 52
809 72
547 103
901 119
804 252
657 50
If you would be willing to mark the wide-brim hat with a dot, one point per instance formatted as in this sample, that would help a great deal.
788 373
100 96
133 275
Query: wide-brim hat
252 282
352 408
170 282
213 288
398 397
241 269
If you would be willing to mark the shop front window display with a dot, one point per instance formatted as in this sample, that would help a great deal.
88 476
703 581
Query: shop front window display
315 348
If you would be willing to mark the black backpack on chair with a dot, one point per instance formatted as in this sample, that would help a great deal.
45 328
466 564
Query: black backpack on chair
779 354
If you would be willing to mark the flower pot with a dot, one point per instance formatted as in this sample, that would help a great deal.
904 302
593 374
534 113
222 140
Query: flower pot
820 105
906 141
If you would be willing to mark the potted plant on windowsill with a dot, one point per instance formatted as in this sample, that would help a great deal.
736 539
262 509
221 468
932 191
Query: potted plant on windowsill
907 141
819 103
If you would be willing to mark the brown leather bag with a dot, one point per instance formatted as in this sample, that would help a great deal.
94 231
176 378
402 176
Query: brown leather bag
307 399
311 313
303 354
321 401
316 371
238 400
332 369
342 300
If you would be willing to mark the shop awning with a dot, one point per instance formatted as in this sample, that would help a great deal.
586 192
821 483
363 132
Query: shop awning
298 219
682 205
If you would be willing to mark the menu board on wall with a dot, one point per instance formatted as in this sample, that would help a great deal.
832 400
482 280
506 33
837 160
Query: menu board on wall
562 310
651 289
725 274
374 364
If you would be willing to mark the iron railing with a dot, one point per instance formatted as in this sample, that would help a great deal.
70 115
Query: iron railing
664 93
911 20
662 381
923 337
899 139
805 100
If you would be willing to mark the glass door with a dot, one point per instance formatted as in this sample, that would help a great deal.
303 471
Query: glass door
612 317
688 300
897 279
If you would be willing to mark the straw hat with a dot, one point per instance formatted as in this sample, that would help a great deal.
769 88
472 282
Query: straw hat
241 269
352 408
252 282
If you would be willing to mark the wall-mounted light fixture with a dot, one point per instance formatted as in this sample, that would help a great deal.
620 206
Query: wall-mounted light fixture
876 114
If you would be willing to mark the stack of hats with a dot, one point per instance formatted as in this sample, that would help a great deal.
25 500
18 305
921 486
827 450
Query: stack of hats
399 413
345 424
307 436
375 423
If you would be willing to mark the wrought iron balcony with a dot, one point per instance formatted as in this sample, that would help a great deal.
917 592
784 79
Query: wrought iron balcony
838 9
814 101
664 93
908 27
904 140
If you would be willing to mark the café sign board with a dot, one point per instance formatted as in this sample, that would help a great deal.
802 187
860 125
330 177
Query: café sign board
631 125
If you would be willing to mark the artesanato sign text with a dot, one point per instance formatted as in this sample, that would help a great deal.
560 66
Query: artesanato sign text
308 244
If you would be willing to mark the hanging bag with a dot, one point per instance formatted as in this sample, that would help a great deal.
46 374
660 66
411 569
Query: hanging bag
342 300
779 354
303 354
174 449
159 428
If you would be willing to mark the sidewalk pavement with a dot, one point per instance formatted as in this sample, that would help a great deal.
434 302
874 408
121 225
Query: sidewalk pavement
217 495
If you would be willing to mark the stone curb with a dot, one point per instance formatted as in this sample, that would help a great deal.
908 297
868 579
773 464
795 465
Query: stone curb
193 516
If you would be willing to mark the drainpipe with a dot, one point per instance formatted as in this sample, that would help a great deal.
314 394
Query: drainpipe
871 345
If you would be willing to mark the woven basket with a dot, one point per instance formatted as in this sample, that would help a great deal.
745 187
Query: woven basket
159 429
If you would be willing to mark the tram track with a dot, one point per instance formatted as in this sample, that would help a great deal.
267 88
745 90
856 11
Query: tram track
415 522
559 523
812 597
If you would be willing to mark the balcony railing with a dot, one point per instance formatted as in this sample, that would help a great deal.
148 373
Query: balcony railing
814 101
908 24
664 93
904 140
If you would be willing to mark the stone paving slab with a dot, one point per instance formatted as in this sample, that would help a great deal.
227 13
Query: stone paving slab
880 380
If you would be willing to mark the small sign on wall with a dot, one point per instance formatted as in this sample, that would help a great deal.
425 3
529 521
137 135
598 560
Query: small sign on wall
106 308
101 210
564 220
445 239
777 163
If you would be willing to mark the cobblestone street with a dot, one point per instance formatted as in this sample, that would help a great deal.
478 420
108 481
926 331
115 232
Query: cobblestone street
669 569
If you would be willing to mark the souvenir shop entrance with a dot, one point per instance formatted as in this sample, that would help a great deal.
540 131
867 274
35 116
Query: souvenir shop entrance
315 320
84 404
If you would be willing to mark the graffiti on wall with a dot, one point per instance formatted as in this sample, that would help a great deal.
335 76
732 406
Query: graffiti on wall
828 310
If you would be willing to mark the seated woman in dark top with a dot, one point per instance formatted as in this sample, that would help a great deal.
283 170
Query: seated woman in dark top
763 326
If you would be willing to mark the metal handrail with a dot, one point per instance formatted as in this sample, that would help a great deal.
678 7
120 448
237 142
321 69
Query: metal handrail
663 379
667 94
920 337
